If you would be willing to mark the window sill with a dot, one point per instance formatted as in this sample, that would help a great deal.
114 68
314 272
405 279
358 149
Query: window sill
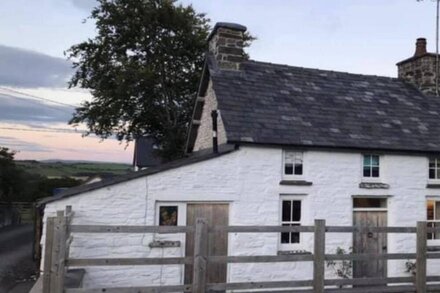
433 185
296 182
163 244
293 252
374 185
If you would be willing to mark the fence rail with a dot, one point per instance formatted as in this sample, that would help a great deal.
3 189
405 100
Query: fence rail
59 237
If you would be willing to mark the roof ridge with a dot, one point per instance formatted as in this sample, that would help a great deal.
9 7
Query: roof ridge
322 70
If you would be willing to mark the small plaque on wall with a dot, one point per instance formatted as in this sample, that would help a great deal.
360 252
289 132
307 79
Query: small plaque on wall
160 244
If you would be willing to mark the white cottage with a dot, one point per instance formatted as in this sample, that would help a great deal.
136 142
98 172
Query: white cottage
295 145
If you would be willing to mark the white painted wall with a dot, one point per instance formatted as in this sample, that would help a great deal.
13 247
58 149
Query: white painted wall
249 180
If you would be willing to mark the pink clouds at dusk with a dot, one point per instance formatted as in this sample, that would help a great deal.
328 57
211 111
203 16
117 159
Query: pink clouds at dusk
43 144
36 106
34 122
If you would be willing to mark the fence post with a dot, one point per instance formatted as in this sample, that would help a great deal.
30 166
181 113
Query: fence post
421 257
58 254
200 256
48 247
69 237
319 257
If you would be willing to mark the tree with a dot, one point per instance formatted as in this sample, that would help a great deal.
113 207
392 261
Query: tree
10 175
143 69
45 186
18 185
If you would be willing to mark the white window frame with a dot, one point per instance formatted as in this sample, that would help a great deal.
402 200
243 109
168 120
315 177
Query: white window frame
381 169
291 246
435 200
181 221
437 163
292 176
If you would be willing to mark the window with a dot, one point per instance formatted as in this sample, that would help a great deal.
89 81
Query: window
293 163
371 166
168 215
290 216
434 168
433 217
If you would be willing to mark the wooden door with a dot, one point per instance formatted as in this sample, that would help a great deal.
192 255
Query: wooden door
370 243
216 215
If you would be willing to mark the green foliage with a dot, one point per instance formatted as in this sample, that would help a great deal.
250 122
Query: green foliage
410 267
73 169
20 186
9 175
143 69
343 268
46 186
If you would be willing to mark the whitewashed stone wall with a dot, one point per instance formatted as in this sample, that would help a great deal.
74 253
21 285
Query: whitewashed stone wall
249 181
204 132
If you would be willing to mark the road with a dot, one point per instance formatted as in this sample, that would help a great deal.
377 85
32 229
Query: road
17 269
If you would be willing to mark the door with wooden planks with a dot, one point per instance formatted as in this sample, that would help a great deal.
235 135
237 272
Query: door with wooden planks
367 242
216 215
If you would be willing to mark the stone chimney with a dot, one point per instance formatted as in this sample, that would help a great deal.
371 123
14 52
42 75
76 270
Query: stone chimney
420 69
226 43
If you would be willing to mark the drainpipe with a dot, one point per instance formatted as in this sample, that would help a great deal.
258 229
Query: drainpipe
214 115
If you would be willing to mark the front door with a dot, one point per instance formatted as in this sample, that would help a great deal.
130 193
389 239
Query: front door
216 215
367 242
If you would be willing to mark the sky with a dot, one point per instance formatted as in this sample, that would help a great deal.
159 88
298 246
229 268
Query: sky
359 36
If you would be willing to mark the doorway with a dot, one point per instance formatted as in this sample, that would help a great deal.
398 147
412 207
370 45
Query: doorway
370 212
216 215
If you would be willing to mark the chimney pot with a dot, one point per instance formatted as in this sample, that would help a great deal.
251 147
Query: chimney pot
420 47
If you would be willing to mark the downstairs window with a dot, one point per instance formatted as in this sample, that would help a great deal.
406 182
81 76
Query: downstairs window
168 215
290 216
433 217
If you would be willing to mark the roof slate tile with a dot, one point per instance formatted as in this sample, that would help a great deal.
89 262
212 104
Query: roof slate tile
277 104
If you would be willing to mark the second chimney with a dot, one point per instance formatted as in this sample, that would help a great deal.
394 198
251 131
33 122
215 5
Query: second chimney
226 42
420 69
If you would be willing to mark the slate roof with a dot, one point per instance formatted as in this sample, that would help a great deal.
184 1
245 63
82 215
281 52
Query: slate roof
266 103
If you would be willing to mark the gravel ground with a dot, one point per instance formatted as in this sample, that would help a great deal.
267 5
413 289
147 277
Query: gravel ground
17 268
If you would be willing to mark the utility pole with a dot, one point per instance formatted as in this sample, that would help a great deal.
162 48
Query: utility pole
436 51
437 71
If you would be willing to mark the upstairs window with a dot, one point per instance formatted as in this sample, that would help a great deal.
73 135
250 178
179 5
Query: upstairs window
290 216
434 168
371 166
293 164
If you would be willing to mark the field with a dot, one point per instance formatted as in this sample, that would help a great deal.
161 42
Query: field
74 169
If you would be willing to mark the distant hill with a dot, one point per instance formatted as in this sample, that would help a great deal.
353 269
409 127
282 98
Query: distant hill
76 169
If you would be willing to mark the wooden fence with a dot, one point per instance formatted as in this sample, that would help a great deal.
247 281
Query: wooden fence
13 213
59 236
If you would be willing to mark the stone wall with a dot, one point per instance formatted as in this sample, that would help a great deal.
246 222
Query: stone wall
226 43
204 132
249 180
420 71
